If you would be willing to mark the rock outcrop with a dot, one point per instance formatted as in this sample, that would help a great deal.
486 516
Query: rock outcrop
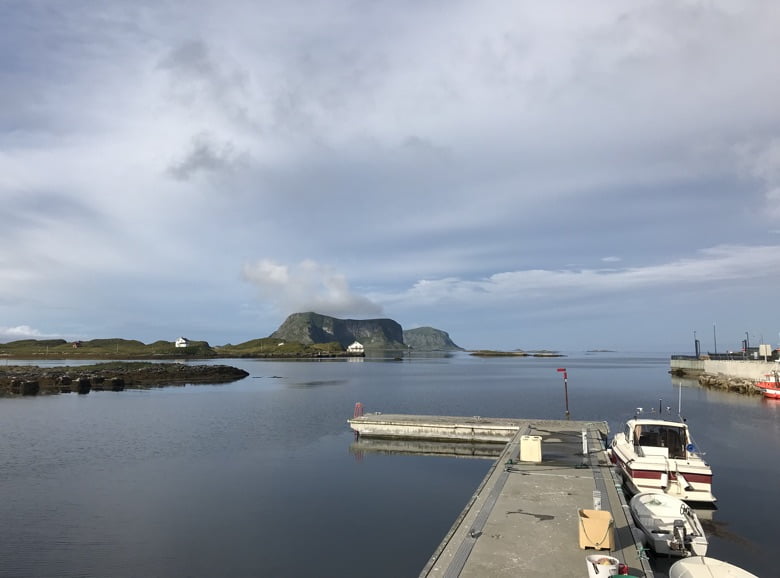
729 383
429 339
33 380
311 327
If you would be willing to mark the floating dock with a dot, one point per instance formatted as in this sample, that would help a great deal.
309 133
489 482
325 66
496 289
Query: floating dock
435 427
549 501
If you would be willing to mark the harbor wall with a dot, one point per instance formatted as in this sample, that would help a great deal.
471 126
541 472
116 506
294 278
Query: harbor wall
744 369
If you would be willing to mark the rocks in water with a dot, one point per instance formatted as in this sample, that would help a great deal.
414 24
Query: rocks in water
25 387
728 383
33 380
83 385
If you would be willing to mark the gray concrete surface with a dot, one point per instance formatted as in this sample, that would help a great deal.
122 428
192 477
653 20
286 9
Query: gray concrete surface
524 518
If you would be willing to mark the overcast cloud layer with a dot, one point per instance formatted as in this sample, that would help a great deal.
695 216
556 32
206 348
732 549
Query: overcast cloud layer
519 174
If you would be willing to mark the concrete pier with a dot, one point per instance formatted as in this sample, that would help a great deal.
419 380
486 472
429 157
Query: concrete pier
526 519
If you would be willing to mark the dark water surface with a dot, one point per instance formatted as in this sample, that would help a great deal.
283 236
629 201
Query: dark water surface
256 478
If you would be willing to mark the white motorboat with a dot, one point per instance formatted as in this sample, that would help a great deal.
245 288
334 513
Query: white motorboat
670 526
702 567
659 455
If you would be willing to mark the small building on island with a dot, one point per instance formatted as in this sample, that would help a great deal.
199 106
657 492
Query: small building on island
356 348
182 342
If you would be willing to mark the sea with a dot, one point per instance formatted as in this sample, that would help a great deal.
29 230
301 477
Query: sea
263 477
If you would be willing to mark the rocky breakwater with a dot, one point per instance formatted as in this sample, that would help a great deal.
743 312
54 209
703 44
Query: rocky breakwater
19 380
741 385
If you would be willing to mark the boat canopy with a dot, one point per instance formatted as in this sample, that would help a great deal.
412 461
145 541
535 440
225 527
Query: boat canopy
655 434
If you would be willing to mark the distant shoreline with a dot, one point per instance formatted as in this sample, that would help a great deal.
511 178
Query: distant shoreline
494 353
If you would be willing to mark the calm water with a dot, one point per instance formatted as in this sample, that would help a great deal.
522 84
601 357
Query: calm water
256 478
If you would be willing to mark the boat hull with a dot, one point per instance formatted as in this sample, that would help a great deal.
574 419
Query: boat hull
770 386
669 526
770 392
703 567
658 455
645 478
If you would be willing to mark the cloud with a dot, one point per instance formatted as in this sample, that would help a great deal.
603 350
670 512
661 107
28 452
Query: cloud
760 161
467 160
307 286
19 332
713 266
200 77
206 155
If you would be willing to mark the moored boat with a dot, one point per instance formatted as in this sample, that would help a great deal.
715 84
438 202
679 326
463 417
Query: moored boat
659 455
670 526
770 385
702 567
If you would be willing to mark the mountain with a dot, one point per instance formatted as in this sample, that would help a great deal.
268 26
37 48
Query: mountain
429 339
311 327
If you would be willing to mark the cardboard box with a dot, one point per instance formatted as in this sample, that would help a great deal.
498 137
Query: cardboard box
597 529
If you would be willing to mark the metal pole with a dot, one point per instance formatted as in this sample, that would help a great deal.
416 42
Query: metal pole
585 450
565 387
715 338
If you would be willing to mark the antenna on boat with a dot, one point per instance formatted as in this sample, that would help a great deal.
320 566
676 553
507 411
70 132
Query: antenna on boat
679 399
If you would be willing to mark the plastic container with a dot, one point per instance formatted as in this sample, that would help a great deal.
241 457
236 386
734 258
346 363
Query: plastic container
531 448
600 566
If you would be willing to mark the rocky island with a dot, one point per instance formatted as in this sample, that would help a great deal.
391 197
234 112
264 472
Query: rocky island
117 376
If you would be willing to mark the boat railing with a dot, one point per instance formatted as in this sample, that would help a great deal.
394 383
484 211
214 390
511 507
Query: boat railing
692 447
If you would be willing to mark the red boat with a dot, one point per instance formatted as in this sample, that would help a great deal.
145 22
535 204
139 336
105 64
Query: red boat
770 385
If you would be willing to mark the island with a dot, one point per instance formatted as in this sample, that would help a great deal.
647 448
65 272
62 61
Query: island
29 380
515 353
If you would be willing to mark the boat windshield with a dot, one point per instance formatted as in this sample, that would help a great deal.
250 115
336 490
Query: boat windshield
661 436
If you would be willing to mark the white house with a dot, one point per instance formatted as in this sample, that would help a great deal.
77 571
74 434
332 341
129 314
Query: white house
355 348
182 342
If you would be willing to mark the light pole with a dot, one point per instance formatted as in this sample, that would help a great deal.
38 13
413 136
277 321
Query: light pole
565 387
715 338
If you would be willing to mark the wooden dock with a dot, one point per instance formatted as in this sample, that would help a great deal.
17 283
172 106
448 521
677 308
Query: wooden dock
526 517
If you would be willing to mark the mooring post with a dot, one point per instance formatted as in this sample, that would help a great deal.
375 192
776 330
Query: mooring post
565 387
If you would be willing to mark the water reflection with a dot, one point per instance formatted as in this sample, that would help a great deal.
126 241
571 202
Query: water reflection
236 479
426 448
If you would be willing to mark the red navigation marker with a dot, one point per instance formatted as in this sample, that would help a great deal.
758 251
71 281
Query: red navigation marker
565 387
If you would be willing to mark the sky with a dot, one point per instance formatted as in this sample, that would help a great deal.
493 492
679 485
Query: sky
522 175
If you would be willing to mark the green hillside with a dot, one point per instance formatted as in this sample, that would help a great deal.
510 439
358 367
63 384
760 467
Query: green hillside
103 349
